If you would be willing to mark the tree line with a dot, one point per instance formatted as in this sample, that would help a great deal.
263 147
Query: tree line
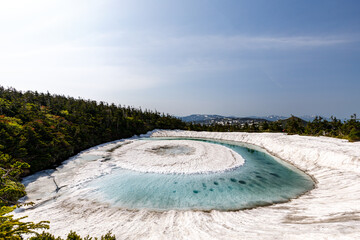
349 129
39 130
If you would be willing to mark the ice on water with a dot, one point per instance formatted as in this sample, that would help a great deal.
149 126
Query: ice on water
330 211
261 181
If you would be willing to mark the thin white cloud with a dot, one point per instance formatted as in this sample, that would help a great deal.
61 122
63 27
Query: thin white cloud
301 41
172 45
100 78
239 42
130 60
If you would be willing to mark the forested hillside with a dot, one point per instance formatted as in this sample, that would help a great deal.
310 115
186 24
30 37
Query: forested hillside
349 129
38 131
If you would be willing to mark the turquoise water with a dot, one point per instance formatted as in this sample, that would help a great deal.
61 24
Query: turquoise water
262 180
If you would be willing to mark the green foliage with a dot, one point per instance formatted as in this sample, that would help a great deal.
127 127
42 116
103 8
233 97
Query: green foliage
354 135
71 236
349 129
43 130
39 131
45 236
14 228
275 126
10 188
294 125
108 236
265 126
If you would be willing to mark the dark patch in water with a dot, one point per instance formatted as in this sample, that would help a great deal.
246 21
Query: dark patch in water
233 179
216 183
204 185
211 189
196 191
242 182
175 182
258 176
229 187
274 174
174 191
279 201
261 203
262 179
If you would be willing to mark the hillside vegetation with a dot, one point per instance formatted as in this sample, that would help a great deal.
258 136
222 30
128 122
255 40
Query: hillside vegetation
349 129
38 131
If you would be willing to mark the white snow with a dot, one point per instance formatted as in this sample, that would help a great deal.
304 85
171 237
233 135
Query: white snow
330 211
146 156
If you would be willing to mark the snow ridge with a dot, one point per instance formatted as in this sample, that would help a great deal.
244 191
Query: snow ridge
330 211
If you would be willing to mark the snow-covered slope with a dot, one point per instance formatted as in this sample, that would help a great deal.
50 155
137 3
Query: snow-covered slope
305 152
330 211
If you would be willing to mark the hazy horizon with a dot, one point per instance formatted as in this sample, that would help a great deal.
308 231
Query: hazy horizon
233 58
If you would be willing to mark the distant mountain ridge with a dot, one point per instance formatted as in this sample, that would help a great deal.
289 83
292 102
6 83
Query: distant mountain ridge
208 118
201 118
271 118
218 119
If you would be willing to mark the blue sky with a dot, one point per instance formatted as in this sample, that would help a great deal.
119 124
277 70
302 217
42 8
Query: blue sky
224 57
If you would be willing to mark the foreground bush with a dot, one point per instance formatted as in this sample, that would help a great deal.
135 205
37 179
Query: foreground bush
13 228
70 236
354 135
